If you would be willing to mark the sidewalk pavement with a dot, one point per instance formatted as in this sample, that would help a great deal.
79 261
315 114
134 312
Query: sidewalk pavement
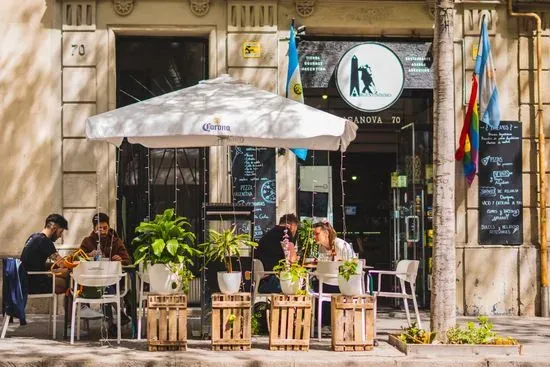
30 346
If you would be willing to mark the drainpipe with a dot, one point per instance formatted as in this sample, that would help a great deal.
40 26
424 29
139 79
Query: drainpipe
542 182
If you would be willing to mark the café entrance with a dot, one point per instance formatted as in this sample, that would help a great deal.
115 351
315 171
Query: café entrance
387 180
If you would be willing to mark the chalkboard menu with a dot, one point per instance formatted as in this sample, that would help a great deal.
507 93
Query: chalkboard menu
253 171
500 185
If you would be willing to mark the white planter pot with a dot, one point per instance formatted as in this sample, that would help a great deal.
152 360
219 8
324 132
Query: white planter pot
351 287
229 283
162 280
288 286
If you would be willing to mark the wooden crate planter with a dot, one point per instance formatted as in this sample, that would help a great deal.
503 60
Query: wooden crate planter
167 322
352 323
289 322
454 350
231 321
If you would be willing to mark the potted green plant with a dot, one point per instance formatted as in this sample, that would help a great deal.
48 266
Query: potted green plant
166 248
308 249
291 276
222 246
349 278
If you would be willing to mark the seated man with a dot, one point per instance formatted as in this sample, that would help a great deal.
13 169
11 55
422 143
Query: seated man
110 245
112 248
38 248
270 250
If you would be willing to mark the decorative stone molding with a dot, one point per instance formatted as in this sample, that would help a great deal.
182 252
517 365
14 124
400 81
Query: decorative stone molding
527 26
473 18
430 6
199 7
305 8
78 15
252 16
123 7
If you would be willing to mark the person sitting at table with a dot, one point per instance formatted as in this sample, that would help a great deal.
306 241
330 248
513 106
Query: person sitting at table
330 246
110 247
270 250
40 247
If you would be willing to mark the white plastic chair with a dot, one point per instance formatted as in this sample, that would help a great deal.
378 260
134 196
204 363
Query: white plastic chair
406 272
142 297
96 274
259 273
53 304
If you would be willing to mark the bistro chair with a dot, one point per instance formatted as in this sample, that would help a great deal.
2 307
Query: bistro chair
259 274
51 295
405 272
97 274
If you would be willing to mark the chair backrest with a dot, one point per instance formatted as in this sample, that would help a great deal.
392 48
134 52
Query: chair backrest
328 271
98 273
407 270
258 271
143 274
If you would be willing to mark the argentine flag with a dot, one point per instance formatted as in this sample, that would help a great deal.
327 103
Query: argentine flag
489 109
294 82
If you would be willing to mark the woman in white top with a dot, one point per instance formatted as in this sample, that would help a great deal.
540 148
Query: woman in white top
330 246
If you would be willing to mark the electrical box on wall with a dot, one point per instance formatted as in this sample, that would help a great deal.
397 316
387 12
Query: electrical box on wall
316 178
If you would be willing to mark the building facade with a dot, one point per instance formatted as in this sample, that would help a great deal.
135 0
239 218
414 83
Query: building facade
61 62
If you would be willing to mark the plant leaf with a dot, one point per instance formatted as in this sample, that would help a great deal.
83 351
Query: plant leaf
158 246
172 246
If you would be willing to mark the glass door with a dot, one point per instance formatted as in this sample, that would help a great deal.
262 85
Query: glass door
411 189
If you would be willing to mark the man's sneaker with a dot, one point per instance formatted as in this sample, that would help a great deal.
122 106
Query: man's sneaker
87 313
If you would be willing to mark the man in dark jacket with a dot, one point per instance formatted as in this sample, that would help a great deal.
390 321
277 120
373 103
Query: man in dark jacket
110 245
270 250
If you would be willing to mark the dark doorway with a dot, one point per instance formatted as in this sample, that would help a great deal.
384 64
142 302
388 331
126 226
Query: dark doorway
152 180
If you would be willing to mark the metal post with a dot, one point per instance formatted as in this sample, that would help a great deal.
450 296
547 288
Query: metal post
545 291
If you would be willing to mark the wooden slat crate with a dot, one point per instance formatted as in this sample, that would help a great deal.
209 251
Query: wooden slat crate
289 322
231 321
167 322
352 323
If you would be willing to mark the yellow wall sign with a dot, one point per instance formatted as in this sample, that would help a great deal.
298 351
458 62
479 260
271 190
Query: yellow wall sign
252 49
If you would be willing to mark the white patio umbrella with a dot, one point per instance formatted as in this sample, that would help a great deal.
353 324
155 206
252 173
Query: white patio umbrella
222 111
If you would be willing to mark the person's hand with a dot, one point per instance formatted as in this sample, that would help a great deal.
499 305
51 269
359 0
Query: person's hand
116 258
94 253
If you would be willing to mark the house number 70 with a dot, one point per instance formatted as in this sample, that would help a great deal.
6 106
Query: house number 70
80 49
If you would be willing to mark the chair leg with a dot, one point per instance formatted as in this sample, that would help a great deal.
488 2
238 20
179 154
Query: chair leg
319 311
140 316
419 323
54 316
5 327
118 331
404 292
78 323
73 317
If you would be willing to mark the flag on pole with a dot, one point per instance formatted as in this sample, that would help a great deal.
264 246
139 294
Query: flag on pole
489 109
294 82
468 145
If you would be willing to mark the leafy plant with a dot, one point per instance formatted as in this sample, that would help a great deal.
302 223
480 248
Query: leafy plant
290 271
416 335
221 246
165 240
469 334
481 334
306 242
348 268
255 323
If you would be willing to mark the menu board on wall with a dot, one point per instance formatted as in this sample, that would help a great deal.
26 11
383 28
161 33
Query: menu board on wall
253 171
500 184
